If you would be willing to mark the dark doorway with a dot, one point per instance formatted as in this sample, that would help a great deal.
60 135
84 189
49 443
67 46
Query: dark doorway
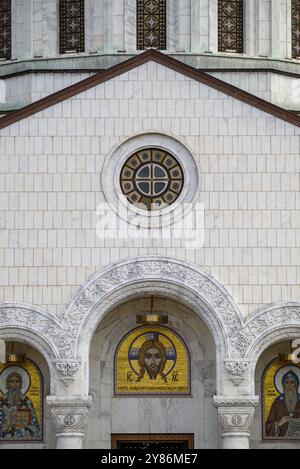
153 442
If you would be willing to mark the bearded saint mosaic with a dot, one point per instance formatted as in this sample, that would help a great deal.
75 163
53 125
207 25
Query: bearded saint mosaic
281 401
20 402
152 360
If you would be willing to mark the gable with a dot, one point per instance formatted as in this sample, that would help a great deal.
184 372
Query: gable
137 61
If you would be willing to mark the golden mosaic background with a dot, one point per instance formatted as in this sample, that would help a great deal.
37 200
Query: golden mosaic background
178 376
269 391
35 391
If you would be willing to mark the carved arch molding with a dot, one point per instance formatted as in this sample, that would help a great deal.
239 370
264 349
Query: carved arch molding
209 299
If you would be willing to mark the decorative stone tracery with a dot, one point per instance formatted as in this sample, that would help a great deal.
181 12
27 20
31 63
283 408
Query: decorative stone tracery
151 24
237 370
67 371
230 19
71 26
262 323
5 29
295 29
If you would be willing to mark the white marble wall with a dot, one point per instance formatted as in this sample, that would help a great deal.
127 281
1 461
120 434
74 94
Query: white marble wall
25 89
266 85
51 167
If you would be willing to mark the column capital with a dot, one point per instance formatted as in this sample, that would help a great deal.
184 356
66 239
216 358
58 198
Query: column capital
236 414
69 414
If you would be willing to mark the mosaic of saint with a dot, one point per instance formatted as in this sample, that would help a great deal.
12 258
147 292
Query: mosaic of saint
281 401
152 360
20 402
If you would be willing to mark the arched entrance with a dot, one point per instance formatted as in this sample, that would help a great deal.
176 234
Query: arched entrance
156 418
140 277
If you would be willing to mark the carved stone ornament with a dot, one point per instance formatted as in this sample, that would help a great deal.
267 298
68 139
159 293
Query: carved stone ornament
61 337
237 370
197 281
236 415
68 415
67 371
264 322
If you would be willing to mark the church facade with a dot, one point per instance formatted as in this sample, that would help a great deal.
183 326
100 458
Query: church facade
150 228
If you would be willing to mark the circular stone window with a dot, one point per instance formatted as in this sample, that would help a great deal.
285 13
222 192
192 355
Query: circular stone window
152 179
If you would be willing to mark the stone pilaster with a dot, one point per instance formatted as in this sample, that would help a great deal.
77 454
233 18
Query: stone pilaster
108 26
275 28
22 19
236 417
195 26
250 27
213 26
69 415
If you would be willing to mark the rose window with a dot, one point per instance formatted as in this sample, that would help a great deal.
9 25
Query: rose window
152 179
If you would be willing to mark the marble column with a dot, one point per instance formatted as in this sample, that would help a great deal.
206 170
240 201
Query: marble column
236 417
69 415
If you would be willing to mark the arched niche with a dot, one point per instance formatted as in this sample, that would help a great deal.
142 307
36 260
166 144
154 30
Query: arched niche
35 363
272 363
152 414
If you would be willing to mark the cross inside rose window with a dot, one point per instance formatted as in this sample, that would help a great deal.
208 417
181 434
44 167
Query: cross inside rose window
152 179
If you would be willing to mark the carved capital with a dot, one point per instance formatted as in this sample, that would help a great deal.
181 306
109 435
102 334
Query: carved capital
69 415
67 371
236 415
237 370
